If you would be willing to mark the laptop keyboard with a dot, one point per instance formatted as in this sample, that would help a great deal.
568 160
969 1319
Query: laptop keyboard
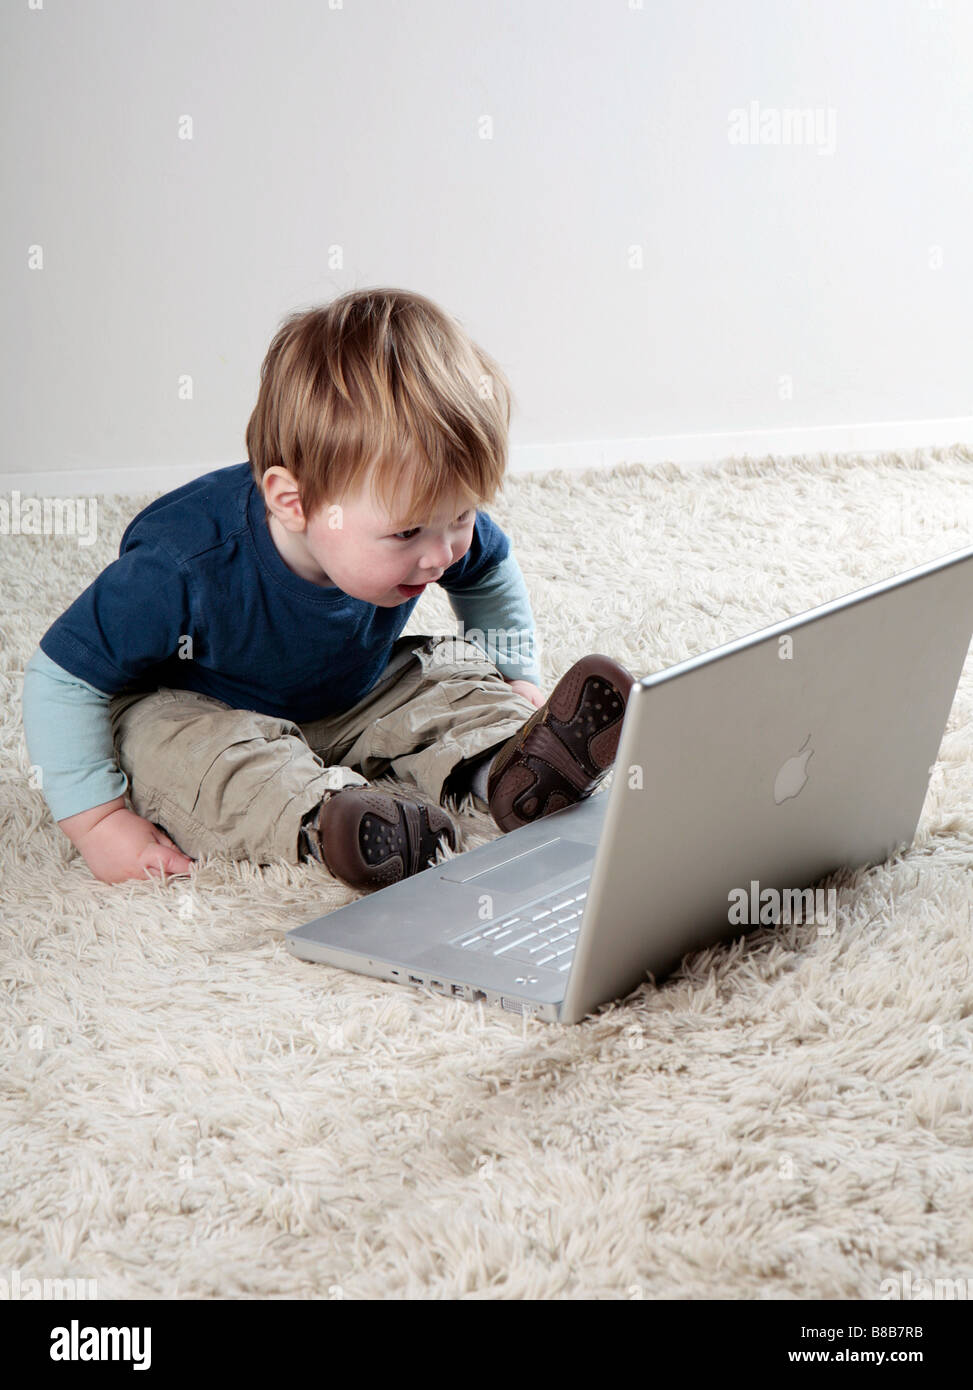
542 933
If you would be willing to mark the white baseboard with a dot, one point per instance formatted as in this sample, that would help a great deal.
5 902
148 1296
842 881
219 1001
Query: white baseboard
698 450
688 450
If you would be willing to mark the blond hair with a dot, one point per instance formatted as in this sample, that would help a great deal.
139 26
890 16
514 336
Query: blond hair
381 387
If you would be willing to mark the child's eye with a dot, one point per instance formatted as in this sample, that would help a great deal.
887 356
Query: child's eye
407 535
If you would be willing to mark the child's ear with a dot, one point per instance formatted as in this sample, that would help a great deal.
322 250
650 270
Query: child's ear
282 497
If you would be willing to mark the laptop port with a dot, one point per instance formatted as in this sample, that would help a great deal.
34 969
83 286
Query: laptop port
414 980
459 990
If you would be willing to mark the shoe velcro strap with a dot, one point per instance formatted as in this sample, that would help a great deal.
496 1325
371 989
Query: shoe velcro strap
546 745
413 834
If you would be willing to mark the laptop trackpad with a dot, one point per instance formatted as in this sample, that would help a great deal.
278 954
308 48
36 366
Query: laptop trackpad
522 871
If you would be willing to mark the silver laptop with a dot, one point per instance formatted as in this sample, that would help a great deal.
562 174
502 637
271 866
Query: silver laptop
773 760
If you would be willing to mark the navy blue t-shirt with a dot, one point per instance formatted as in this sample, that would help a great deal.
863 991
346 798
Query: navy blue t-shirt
199 563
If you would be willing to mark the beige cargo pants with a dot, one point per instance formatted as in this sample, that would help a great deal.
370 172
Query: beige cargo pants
237 783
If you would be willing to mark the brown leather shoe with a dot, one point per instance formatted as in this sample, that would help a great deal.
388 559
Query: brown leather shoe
371 838
565 749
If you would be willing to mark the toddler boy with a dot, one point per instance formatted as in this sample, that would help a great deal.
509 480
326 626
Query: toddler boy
235 678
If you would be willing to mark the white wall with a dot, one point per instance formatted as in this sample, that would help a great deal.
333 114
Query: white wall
359 127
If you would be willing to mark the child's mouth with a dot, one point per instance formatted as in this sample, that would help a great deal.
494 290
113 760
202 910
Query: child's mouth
410 590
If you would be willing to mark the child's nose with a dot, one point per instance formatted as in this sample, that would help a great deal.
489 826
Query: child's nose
437 557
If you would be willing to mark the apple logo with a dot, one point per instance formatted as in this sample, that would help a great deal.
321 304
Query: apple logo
793 774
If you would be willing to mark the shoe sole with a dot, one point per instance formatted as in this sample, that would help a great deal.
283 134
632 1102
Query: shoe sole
566 749
370 839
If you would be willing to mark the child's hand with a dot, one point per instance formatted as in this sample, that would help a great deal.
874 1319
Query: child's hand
124 846
527 688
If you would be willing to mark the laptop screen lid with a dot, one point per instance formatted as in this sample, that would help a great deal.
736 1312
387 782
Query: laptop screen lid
775 759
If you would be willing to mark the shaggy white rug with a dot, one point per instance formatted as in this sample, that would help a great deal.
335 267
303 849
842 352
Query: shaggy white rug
189 1111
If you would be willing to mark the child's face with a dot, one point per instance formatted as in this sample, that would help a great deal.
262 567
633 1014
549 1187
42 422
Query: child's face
361 548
